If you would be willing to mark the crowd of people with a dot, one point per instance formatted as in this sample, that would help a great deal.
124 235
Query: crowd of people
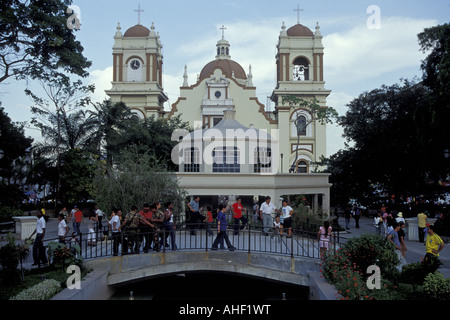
394 231
152 227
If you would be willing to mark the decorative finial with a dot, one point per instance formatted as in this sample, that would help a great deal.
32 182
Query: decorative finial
317 34
118 32
185 77
250 77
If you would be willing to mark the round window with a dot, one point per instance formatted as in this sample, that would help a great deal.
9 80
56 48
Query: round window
218 94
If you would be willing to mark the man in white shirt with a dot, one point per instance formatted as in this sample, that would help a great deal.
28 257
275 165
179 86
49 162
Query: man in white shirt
39 254
286 212
99 214
116 230
267 210
63 229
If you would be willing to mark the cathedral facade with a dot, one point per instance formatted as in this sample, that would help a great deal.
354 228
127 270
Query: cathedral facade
262 152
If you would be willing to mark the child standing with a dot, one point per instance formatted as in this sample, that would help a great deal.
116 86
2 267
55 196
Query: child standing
276 228
91 230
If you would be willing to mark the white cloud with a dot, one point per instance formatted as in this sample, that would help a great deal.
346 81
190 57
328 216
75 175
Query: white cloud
102 80
361 53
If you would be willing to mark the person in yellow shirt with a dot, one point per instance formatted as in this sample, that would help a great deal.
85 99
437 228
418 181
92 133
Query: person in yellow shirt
433 244
421 224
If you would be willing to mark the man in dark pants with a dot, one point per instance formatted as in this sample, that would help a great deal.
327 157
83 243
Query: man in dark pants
146 227
194 214
356 215
222 230
39 254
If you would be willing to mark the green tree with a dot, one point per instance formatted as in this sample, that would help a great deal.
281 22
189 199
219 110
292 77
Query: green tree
13 145
112 122
35 40
152 136
63 124
433 116
77 174
137 178
386 152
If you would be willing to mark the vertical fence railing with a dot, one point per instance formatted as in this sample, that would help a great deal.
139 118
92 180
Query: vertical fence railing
252 239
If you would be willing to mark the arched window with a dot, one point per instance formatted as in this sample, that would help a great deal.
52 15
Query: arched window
302 166
226 159
300 124
301 69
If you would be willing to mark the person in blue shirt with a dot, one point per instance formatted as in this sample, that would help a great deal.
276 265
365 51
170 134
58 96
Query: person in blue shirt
393 237
222 230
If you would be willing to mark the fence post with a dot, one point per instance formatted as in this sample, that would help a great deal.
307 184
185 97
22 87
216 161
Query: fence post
292 244
206 242
249 237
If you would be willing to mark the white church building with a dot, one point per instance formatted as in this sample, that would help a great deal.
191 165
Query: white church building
238 147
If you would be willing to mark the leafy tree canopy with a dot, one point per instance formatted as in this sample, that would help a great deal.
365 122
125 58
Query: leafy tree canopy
35 40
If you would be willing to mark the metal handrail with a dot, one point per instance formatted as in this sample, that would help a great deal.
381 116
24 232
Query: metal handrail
252 239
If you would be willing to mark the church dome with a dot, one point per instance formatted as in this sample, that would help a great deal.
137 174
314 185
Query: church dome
137 31
299 31
227 66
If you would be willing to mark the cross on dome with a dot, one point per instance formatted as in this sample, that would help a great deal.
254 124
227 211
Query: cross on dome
298 13
223 31
139 13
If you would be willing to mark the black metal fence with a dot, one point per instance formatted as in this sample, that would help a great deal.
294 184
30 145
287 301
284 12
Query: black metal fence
198 237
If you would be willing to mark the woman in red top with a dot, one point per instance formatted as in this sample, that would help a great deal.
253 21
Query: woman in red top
209 220
78 219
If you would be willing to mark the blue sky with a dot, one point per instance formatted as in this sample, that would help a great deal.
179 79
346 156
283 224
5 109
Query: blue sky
357 58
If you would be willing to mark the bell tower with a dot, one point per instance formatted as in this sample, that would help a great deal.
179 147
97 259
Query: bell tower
137 71
299 66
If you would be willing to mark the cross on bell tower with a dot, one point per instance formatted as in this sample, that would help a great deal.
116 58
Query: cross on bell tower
139 13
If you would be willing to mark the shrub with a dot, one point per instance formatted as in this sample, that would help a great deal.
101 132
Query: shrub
415 273
346 268
42 291
6 213
436 287
10 256
372 249
61 255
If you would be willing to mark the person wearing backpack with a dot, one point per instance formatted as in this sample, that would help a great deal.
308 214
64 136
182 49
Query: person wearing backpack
131 225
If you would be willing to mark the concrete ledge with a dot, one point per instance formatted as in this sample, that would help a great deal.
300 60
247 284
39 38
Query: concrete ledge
319 289
93 287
